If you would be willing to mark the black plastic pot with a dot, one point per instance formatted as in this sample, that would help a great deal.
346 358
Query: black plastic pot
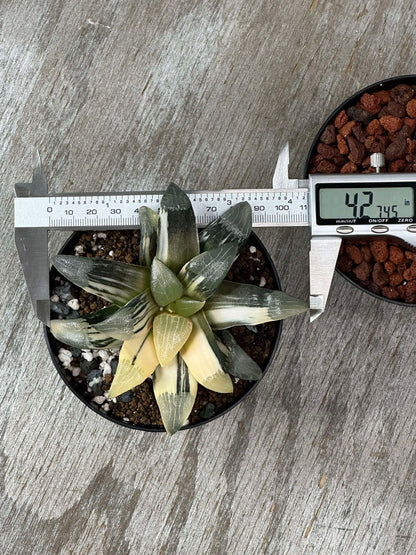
379 85
53 347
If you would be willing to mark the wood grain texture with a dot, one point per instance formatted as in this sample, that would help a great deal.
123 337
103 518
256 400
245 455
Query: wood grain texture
117 95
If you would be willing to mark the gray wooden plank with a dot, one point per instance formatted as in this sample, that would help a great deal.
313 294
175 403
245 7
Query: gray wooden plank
117 95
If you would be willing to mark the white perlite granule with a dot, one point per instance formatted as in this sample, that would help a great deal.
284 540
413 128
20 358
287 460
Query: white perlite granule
252 249
74 304
262 282
79 249
87 355
99 399
101 235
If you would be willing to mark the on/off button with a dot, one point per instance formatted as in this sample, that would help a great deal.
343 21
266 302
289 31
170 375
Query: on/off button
379 229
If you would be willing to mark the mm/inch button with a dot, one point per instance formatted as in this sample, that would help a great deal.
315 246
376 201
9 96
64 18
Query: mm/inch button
379 229
411 228
344 229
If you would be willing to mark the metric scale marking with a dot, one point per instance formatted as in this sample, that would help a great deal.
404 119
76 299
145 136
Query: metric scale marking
115 210
332 205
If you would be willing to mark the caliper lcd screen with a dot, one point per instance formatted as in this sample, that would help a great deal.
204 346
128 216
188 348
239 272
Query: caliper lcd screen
366 203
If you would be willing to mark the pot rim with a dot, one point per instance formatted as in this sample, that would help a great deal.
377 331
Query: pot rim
378 85
50 340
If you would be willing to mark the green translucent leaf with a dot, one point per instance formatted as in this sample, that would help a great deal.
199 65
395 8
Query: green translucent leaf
148 235
133 318
115 281
203 274
185 306
177 240
235 304
232 226
137 361
164 284
82 333
202 361
175 390
170 332
238 363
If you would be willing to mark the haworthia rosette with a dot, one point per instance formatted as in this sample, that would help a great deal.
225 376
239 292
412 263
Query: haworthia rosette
165 286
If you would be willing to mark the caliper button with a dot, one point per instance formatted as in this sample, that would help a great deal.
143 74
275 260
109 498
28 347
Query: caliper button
411 228
344 229
379 229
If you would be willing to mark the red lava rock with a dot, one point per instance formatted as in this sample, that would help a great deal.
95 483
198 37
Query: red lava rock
410 255
375 128
329 136
366 253
411 108
349 167
325 166
342 144
397 166
396 278
391 123
380 277
344 263
371 103
396 254
359 133
354 253
363 270
383 96
341 119
359 114
329 152
347 129
379 250
411 146
395 109
411 123
410 273
357 150
390 293
396 149
402 93
389 267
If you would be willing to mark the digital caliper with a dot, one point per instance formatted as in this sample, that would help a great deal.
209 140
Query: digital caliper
334 206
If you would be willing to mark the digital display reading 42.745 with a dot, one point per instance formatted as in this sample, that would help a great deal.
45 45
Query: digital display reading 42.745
365 204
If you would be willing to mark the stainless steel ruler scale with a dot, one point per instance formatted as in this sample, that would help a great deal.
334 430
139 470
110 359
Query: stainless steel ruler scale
115 210
333 206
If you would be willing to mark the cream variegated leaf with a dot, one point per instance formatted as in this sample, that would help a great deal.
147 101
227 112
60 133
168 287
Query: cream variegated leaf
203 274
165 286
234 304
148 235
170 333
234 225
175 390
177 240
117 282
202 361
133 318
137 361
82 332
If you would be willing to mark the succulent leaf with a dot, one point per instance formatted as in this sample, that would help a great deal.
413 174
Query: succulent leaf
164 284
117 282
203 363
234 304
177 240
148 235
232 226
203 274
81 332
238 363
133 318
170 333
137 362
185 306
175 390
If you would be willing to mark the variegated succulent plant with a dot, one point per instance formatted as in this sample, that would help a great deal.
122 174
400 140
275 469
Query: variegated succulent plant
170 313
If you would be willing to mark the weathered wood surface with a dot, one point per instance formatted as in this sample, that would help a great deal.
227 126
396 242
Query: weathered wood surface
117 95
